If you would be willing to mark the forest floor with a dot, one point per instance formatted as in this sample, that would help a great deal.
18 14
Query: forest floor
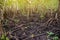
33 28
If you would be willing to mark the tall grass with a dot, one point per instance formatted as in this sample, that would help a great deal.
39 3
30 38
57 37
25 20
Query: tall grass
27 7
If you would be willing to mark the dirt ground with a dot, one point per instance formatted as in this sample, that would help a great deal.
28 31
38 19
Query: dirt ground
32 28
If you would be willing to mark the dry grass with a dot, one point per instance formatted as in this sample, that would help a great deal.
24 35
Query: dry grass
26 9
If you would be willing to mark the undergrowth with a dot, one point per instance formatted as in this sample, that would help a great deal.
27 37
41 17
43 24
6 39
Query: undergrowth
11 9
53 36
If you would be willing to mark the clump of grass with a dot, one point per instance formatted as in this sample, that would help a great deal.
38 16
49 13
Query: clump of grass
3 37
27 7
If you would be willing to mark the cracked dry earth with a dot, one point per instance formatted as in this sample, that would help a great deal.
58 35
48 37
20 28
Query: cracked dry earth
32 28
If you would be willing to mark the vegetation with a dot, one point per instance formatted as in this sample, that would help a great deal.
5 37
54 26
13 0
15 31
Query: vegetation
27 7
4 37
29 17
54 36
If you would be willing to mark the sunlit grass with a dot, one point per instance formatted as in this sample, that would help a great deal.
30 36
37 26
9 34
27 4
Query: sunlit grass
27 7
